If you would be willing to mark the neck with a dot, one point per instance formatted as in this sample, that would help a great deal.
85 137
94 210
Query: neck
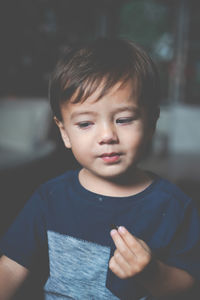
131 183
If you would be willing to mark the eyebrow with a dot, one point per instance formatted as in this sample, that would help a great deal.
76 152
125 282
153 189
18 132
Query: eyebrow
133 109
80 113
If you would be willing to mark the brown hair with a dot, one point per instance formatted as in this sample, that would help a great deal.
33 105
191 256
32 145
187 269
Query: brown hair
104 61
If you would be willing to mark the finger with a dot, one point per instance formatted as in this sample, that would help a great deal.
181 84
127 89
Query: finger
135 255
138 247
121 245
131 241
123 264
129 268
116 269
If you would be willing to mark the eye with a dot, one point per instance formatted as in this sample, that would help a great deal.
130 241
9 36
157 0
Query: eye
84 124
124 120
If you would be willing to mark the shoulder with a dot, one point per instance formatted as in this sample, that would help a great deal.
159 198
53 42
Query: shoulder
170 189
171 196
56 187
58 182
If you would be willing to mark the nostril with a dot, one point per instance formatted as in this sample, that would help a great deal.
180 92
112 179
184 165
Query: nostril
109 140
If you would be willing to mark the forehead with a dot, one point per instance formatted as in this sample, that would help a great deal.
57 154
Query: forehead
119 94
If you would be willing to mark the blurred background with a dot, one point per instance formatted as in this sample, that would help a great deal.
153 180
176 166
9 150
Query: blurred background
33 33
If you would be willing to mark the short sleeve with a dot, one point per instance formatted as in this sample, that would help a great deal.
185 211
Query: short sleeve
25 241
184 250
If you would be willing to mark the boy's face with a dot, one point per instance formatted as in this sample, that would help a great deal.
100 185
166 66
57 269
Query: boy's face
107 137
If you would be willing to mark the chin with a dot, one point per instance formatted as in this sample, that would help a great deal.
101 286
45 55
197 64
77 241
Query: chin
112 173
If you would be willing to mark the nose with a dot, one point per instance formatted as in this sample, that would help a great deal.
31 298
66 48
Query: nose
108 134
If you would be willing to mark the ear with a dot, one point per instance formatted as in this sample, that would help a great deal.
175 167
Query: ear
63 133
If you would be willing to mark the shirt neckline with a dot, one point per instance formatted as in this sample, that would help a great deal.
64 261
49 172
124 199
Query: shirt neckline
100 198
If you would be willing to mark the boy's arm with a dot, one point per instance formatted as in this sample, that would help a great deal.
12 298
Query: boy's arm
166 281
133 257
12 275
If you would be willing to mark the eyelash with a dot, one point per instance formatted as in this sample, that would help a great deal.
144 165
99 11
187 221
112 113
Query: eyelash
85 125
124 120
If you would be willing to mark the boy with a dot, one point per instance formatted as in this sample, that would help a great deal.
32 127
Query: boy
105 99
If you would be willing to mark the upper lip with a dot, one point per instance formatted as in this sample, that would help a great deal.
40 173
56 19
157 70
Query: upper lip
110 154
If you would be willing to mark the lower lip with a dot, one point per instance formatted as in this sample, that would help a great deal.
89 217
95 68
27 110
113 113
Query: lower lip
111 159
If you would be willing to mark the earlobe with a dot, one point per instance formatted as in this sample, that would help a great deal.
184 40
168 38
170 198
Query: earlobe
63 133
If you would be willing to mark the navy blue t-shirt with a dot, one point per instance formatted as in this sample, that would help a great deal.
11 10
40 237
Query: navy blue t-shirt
63 233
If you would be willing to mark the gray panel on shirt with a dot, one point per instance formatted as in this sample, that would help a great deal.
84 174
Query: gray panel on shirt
78 269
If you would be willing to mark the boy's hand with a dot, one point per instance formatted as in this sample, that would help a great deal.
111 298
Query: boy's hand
131 256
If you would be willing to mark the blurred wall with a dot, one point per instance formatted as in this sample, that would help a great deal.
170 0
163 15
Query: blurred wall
33 35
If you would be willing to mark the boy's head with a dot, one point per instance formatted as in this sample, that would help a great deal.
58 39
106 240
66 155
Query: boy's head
105 99
105 62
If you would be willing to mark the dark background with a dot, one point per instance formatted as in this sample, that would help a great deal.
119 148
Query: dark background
33 34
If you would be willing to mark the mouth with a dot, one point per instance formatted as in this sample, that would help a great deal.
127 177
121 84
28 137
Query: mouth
110 157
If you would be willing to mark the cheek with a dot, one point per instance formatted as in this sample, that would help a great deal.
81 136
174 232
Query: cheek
82 138
76 139
80 146
133 138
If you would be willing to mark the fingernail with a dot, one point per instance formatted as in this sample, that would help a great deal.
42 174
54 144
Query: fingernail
113 231
122 229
